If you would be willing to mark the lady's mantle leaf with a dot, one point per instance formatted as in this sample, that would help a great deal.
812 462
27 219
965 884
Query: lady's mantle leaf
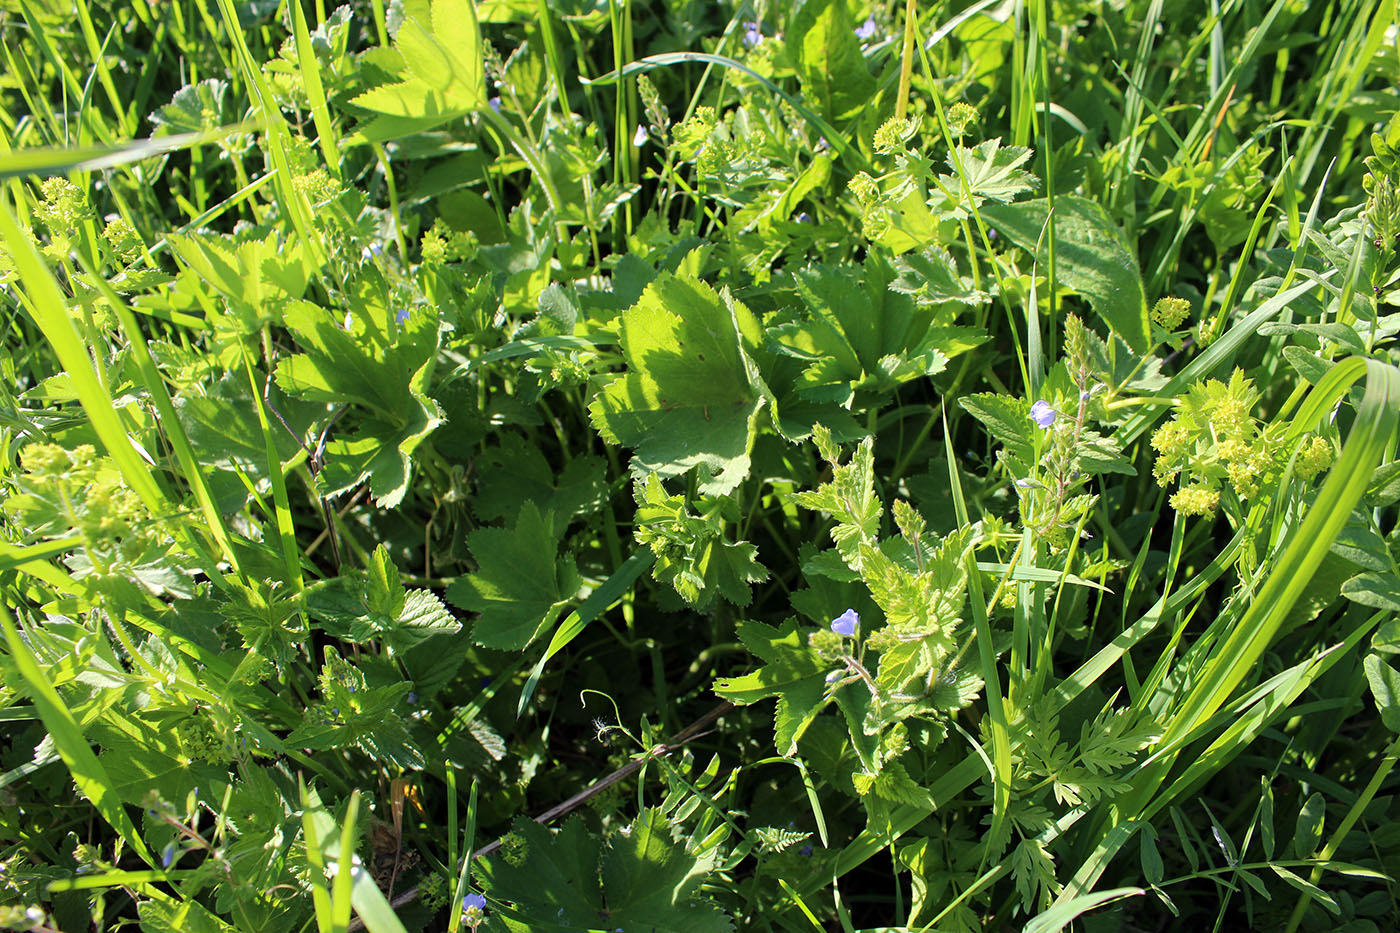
374 369
857 335
691 394
519 586
1091 256
794 674
444 79
641 880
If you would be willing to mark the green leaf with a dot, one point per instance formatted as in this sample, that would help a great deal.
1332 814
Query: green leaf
379 365
359 606
1008 419
849 497
87 771
1308 888
641 880
793 673
1377 590
821 40
555 886
857 335
446 78
520 586
991 171
1385 687
1307 832
692 553
1092 257
692 395
183 917
650 882
195 107
517 470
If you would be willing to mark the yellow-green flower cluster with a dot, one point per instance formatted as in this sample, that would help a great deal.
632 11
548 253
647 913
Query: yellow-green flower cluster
1168 313
63 491
961 116
63 210
76 486
1214 439
1196 499
691 134
443 244
1313 457
123 240
894 133
318 186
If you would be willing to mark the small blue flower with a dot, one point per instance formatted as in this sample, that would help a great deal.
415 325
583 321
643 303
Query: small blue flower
866 30
1042 414
805 850
167 855
412 698
846 623
833 677
752 34
401 316
495 103
474 900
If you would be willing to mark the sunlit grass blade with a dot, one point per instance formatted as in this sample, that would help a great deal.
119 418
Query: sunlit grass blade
315 92
593 606
44 301
87 771
61 160
467 852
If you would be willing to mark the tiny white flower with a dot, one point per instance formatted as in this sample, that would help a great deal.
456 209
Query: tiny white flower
640 137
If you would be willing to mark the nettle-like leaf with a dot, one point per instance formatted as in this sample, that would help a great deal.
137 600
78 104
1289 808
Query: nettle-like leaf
377 363
794 673
849 497
691 395
861 338
691 551
372 604
922 596
1008 420
642 878
1092 257
520 585
992 172
352 714
443 74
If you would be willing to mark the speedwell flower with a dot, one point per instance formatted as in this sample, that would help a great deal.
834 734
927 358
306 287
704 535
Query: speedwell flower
1042 414
846 624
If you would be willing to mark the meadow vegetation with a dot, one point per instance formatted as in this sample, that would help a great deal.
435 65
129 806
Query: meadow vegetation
826 465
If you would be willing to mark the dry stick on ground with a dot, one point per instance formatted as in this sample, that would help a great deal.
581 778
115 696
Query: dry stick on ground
689 734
